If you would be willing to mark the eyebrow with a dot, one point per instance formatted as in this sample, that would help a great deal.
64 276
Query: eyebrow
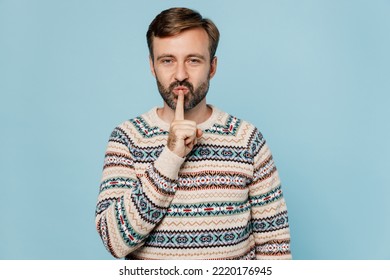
197 55
190 55
164 56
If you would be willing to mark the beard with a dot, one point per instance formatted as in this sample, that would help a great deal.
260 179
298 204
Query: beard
191 99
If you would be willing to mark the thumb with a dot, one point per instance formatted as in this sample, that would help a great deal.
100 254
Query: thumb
199 133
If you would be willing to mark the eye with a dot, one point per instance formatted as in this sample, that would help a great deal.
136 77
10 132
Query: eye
194 61
166 61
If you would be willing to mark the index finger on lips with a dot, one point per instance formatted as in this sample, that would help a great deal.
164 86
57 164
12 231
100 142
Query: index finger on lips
179 111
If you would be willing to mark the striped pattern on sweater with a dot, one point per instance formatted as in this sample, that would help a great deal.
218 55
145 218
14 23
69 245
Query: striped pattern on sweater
223 201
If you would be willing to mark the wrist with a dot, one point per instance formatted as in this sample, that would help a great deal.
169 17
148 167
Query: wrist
169 163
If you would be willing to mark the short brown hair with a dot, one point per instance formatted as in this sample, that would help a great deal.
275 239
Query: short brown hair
175 20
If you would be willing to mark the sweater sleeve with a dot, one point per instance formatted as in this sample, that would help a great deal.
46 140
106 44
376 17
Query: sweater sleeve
268 207
130 205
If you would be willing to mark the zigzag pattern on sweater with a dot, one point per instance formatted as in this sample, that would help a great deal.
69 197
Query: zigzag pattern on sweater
197 223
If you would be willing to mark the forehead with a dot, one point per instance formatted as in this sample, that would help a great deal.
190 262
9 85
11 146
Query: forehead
192 41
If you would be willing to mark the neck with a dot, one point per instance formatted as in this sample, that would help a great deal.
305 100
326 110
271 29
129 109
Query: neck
198 114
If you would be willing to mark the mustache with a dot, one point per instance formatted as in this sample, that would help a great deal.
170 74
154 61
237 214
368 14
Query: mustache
182 83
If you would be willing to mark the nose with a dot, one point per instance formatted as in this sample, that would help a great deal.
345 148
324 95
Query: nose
181 73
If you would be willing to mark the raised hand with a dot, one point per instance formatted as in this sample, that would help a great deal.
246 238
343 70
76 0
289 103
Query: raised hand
183 134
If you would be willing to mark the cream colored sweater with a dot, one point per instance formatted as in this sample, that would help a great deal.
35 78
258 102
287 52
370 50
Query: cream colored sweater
223 201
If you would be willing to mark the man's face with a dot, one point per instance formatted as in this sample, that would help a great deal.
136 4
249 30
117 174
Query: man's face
182 63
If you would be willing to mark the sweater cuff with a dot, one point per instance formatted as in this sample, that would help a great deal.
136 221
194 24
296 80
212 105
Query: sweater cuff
168 163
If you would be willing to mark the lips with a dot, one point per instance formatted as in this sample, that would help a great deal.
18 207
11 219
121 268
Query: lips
177 89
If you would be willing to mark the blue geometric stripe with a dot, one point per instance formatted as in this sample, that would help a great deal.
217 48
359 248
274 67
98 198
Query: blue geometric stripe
256 142
193 239
104 204
118 135
146 154
220 153
273 223
148 211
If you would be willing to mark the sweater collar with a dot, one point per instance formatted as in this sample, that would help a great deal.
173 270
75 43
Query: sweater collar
215 117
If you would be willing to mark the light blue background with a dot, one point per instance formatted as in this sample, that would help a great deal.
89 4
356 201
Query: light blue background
312 75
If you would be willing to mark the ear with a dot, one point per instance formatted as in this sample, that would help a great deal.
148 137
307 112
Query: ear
151 63
213 66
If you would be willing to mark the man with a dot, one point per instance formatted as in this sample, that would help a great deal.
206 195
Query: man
189 181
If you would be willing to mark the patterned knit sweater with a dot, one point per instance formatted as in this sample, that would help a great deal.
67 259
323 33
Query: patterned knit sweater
223 201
